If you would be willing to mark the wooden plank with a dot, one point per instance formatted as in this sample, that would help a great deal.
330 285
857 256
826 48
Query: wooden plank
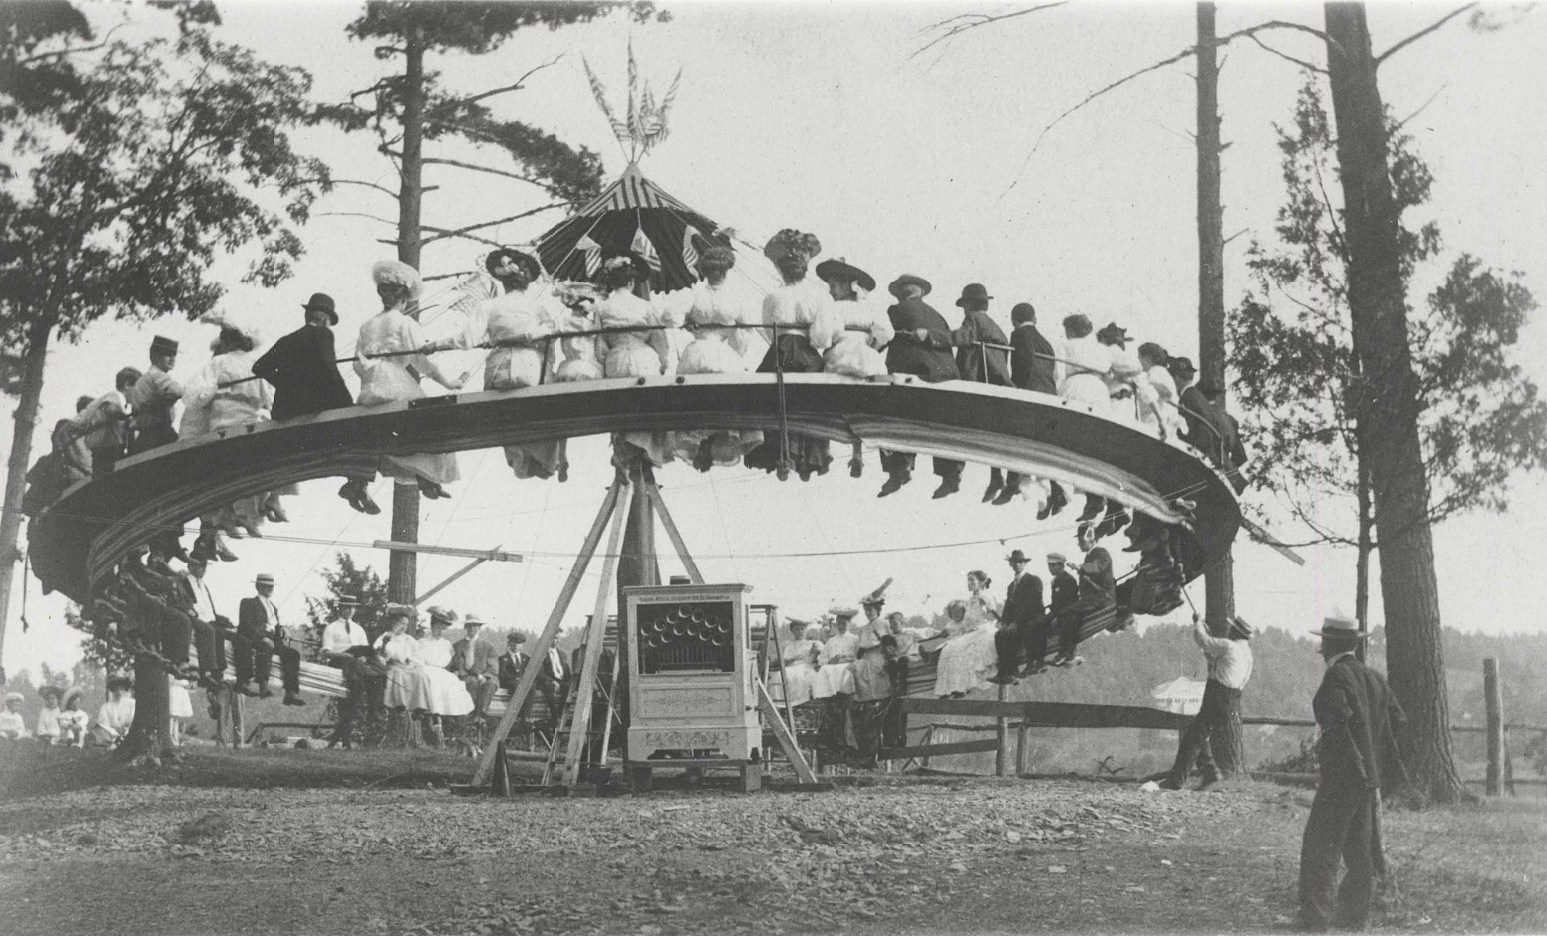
580 720
1493 700
781 731
1053 714
654 493
489 555
548 636
940 750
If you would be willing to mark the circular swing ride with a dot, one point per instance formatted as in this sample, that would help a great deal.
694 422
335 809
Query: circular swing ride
81 539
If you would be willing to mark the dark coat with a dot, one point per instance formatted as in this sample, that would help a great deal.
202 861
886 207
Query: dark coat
305 378
474 660
1195 410
970 358
1066 591
511 669
1031 364
252 621
930 359
1023 601
1359 718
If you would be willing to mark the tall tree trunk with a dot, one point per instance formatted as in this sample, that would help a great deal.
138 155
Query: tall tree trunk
1387 420
16 469
151 730
403 567
1219 580
1362 567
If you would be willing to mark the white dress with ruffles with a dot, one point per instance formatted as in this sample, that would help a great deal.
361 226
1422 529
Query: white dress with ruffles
517 322
641 353
710 311
968 657
387 380
1084 369
850 334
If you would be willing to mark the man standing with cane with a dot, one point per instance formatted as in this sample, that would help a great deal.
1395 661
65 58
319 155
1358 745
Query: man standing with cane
1359 718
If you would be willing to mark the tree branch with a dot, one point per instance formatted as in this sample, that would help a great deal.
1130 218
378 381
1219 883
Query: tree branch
1286 56
1432 27
519 85
355 214
379 188
439 161
1421 108
966 22
484 224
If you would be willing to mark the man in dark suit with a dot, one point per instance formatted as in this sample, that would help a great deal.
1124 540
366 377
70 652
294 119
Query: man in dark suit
1032 368
305 377
1225 449
1022 616
474 661
921 347
553 683
513 662
978 362
263 638
1359 720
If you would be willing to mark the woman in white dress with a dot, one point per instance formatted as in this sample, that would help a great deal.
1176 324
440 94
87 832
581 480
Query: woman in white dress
448 694
389 379
800 654
179 708
851 331
1126 383
641 353
1154 359
577 352
795 304
968 656
833 676
711 313
398 650
1084 367
517 323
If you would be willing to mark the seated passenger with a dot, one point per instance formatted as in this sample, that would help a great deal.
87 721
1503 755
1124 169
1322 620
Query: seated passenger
800 656
712 313
852 331
834 675
472 660
73 721
968 657
1163 413
105 423
1098 593
153 397
634 346
518 324
513 662
390 362
50 717
921 347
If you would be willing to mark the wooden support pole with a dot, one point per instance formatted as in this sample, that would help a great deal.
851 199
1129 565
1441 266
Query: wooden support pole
1001 753
550 633
1021 753
785 737
580 721
1493 696
654 493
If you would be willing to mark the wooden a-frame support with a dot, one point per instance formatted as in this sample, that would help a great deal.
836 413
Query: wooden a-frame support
638 484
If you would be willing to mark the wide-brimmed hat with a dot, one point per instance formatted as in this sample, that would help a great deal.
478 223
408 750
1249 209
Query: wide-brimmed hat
395 610
973 292
263 578
16 697
843 611
908 279
322 302
442 613
1242 626
1181 365
472 618
397 273
1016 556
72 694
1340 628
46 691
842 271
794 622
162 345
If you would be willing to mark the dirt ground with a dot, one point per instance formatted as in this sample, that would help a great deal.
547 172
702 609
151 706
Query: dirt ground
876 855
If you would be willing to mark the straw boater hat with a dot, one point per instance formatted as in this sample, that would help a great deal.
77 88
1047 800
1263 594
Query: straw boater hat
1242 626
471 619
263 578
1340 628
347 601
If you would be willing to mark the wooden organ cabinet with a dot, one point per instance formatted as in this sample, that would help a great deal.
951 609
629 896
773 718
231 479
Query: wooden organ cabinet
692 689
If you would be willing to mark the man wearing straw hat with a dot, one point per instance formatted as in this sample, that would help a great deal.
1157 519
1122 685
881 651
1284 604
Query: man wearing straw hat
1230 666
1359 718
259 626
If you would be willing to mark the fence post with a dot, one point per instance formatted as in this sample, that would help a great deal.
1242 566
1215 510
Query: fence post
1001 754
1020 750
1494 697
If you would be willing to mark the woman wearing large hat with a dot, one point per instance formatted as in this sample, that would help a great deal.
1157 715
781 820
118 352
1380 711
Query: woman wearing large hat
799 655
640 349
852 331
794 305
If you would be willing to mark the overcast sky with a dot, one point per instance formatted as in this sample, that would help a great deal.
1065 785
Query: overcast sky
820 117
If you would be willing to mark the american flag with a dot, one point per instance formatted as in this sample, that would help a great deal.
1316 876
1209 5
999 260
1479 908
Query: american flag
689 252
593 254
646 250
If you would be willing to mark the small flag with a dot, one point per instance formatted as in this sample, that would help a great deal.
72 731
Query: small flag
689 252
593 254
646 250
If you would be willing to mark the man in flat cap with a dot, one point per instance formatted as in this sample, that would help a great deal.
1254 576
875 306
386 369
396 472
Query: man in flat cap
1359 720
921 347
153 397
306 380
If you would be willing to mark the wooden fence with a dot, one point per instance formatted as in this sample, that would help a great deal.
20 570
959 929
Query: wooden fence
1023 715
